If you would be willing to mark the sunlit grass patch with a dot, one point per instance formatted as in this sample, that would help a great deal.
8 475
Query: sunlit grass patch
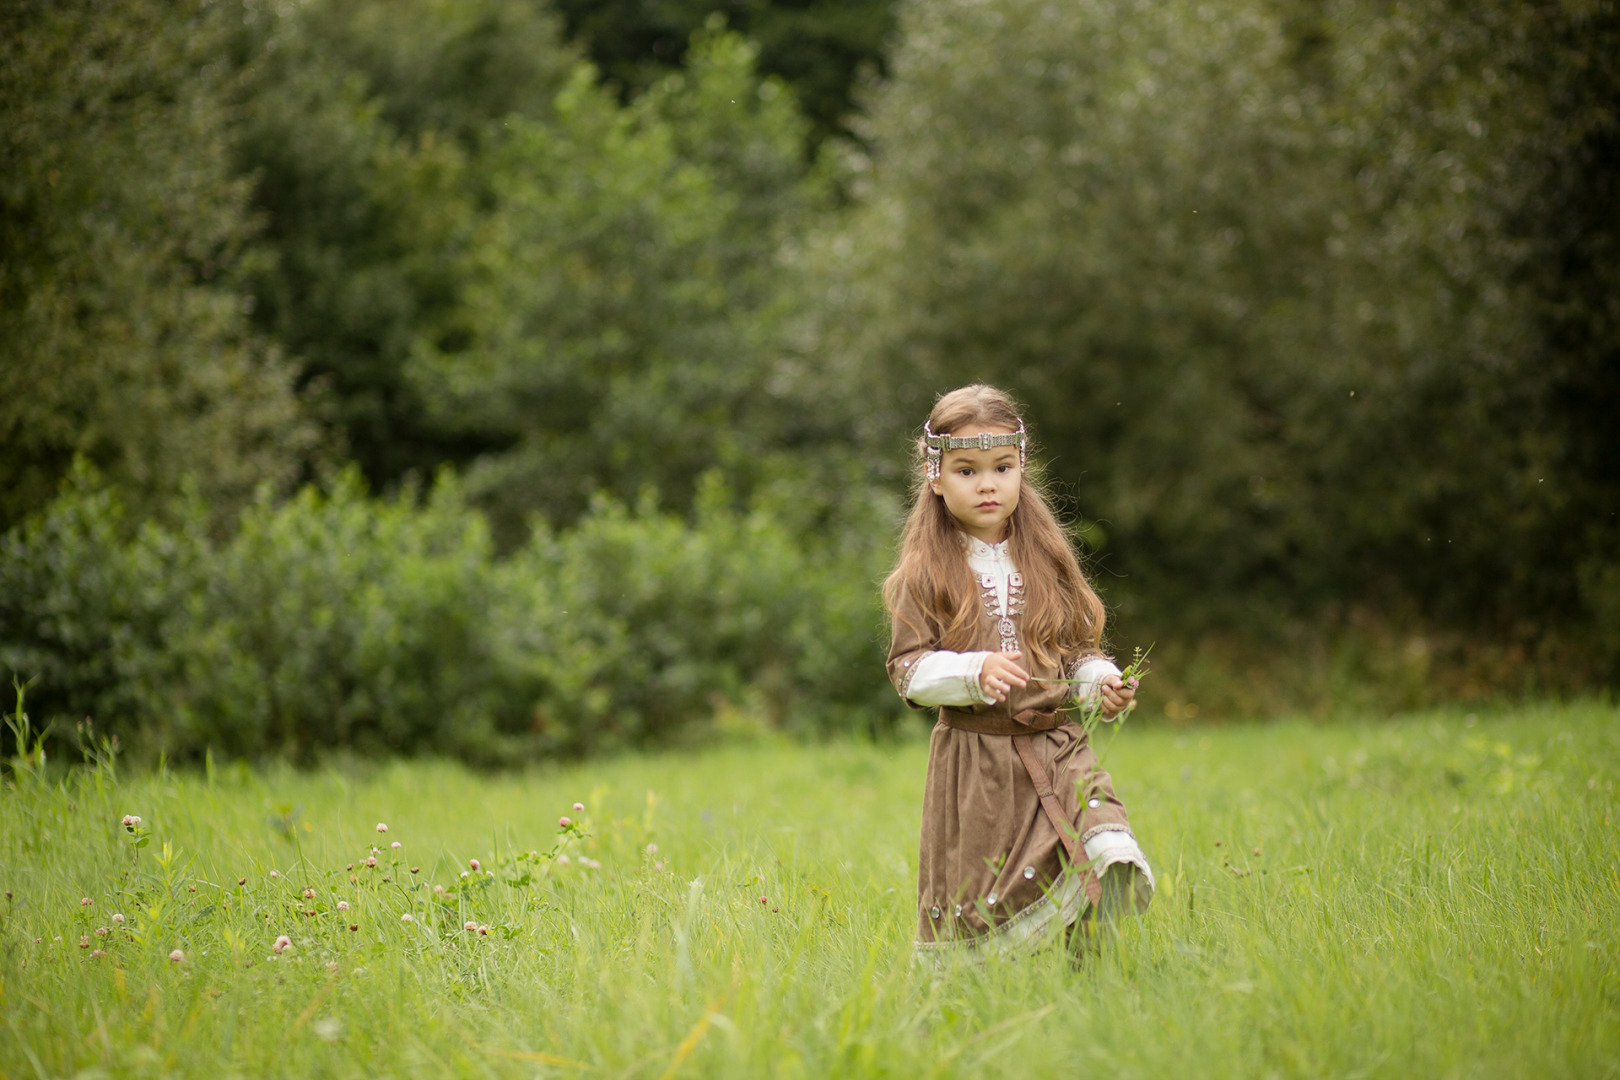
1436 895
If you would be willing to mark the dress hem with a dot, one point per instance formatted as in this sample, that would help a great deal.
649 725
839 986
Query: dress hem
1062 904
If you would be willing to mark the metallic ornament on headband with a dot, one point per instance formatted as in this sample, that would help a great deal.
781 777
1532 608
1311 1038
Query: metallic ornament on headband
938 444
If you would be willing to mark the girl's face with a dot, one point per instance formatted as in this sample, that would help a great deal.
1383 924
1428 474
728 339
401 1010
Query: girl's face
980 487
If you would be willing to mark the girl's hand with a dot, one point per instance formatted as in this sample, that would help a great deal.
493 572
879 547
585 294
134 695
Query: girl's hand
1000 674
1117 695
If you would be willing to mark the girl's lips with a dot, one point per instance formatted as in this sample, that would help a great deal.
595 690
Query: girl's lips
988 505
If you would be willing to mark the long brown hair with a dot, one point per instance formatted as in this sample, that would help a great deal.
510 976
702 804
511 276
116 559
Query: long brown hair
1063 617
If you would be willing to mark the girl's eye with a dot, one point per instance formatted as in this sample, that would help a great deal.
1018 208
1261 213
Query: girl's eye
1003 468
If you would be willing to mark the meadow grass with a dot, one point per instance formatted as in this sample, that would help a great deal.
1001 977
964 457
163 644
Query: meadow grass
1433 895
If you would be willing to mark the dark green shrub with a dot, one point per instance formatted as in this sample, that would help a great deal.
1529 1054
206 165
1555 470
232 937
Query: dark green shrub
643 624
88 605
339 620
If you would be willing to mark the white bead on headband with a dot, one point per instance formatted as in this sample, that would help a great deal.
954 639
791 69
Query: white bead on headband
937 445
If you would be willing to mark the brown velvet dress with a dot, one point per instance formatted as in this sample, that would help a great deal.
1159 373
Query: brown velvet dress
993 874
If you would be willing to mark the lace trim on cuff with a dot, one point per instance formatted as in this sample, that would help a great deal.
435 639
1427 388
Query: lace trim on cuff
1112 826
911 673
973 681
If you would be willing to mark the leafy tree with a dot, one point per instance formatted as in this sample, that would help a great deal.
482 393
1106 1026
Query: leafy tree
123 335
1266 274
821 48
364 129
629 289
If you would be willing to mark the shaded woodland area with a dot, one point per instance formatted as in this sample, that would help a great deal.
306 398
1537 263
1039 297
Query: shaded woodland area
507 378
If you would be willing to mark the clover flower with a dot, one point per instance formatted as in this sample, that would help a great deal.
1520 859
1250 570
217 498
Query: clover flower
396 845
176 956
475 864
131 821
563 823
343 905
381 827
275 873
371 861
309 894
86 902
118 917
470 926
283 943
579 808
407 918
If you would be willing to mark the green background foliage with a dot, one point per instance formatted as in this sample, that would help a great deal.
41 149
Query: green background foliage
335 620
383 334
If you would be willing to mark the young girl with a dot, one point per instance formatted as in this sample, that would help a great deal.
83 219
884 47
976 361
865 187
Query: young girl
1022 835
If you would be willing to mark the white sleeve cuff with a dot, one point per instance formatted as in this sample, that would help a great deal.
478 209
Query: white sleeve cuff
948 678
1088 677
1114 846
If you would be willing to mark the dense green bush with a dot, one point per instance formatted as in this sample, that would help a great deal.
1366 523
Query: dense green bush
338 620
88 605
643 623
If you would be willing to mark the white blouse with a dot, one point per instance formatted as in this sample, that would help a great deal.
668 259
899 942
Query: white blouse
943 677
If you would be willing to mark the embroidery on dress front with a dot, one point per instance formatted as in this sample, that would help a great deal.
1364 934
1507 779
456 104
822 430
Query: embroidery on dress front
1003 610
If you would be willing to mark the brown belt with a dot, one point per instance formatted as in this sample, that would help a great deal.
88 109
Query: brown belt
1021 724
1019 728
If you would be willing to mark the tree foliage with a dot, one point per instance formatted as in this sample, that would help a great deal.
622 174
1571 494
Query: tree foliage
823 49
366 130
627 290
1274 280
124 233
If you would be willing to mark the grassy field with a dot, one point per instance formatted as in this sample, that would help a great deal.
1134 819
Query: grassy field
1435 895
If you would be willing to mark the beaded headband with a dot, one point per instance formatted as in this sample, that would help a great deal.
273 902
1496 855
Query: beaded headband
938 444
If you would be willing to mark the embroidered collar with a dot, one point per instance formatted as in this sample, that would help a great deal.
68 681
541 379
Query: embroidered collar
978 549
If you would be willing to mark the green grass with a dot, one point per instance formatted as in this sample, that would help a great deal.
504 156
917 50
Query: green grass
1428 896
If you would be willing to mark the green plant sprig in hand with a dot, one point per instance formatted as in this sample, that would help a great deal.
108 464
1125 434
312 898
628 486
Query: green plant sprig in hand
1091 712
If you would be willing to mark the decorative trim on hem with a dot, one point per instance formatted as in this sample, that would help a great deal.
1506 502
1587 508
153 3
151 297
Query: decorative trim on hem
1061 906
1110 826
